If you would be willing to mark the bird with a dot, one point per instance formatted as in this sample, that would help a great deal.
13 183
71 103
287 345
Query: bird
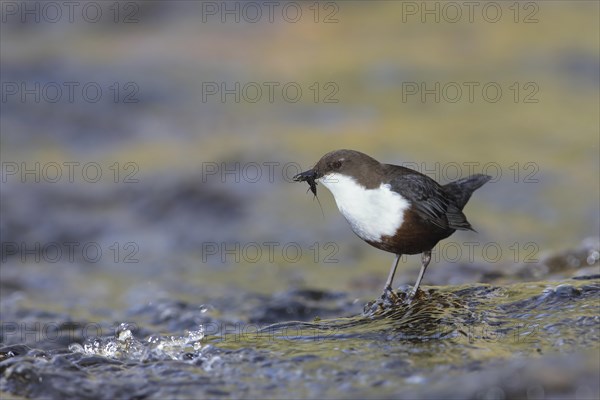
393 208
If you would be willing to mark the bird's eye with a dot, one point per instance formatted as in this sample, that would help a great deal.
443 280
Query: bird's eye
336 164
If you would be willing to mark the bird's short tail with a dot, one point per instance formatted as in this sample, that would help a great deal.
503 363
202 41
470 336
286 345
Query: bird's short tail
462 189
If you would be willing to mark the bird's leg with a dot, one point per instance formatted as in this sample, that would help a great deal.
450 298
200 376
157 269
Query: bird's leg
425 258
388 284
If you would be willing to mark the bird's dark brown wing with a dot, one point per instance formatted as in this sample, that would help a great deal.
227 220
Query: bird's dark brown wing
428 199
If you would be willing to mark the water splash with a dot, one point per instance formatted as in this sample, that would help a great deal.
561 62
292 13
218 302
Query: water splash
124 346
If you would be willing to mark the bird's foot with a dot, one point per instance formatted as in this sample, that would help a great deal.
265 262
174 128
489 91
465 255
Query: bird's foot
413 294
390 296
389 300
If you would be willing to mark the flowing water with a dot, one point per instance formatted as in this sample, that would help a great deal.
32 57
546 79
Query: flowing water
470 341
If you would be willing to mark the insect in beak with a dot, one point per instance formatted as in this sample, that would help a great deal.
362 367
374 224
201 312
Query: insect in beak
310 177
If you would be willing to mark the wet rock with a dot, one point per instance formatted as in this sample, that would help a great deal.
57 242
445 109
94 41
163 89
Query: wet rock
302 305
583 260
13 351
548 377
566 290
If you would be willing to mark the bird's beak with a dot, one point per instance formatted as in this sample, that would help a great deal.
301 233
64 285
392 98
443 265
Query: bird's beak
311 174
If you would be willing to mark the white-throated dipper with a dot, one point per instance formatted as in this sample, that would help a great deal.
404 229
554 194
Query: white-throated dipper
393 208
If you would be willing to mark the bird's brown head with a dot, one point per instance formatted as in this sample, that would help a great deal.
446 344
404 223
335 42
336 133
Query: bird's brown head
344 162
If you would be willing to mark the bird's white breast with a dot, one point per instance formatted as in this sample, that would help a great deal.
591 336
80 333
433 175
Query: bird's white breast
372 213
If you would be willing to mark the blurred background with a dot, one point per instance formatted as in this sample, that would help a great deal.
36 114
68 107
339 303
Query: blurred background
147 151
148 147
